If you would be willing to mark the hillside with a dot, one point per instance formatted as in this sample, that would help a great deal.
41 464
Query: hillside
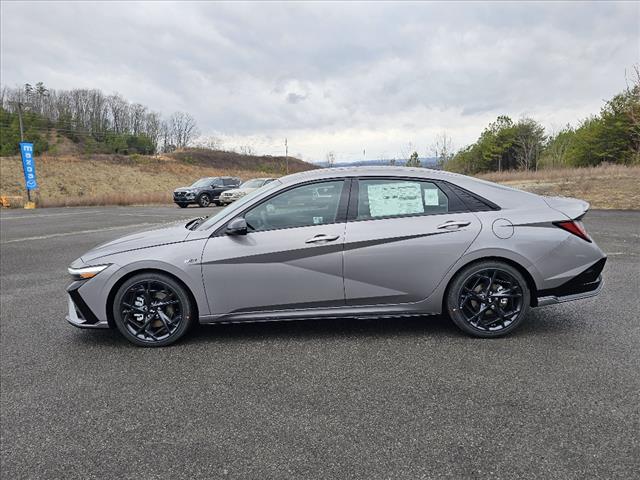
98 179
75 179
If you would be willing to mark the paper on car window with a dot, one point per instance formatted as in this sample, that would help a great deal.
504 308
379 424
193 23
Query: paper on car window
431 197
396 198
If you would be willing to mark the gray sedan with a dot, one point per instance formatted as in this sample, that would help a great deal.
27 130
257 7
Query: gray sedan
345 242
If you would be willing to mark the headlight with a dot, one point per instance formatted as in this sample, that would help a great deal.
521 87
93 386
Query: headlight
84 273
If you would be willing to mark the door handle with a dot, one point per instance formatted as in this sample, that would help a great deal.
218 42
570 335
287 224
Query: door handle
322 238
453 224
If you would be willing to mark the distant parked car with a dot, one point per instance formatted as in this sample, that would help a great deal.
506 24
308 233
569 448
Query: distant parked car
205 191
247 187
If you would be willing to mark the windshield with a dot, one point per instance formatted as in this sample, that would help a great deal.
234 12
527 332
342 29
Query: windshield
203 182
239 204
255 183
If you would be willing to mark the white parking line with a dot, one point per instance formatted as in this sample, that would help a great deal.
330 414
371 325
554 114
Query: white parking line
79 232
88 212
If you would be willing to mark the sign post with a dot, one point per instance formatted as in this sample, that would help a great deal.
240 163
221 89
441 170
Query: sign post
29 168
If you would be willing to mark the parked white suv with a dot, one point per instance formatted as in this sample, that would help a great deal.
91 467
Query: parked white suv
247 187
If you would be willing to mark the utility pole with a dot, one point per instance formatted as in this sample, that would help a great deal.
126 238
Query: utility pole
286 155
20 120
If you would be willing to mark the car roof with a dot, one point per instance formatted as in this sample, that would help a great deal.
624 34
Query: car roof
382 171
498 194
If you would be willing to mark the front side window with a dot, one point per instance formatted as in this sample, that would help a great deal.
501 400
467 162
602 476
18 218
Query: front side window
217 182
313 204
385 198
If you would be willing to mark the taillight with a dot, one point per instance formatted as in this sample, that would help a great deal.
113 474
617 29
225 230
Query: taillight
576 227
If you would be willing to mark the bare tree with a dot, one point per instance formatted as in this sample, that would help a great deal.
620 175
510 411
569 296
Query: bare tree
138 112
119 110
633 91
442 149
247 150
529 140
183 129
153 128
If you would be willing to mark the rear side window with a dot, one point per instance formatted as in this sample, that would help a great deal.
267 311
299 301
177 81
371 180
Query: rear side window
384 198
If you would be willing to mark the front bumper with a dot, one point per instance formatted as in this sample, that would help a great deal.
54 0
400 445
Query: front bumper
184 197
80 315
584 285
229 198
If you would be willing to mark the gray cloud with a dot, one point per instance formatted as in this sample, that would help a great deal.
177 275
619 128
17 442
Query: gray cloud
332 76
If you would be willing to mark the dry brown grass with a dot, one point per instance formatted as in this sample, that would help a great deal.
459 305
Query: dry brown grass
71 180
606 186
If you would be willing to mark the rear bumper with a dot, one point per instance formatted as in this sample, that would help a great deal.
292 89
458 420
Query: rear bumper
80 315
584 285
553 299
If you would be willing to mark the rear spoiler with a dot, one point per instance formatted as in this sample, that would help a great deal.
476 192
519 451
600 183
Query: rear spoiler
571 207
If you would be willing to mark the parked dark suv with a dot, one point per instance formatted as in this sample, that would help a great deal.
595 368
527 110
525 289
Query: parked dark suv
205 191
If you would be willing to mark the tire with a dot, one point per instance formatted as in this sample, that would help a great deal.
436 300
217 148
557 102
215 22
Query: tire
488 299
137 315
204 200
183 205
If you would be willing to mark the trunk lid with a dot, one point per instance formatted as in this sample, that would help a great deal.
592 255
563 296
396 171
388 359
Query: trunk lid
572 207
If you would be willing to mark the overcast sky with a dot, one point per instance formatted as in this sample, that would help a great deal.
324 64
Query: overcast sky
330 76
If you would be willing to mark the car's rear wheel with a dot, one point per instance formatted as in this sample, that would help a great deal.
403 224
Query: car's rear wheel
152 310
204 200
488 299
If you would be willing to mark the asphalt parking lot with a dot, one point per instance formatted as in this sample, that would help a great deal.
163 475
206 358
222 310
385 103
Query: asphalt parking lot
397 399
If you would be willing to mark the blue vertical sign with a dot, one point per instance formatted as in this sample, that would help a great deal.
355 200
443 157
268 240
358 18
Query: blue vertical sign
28 165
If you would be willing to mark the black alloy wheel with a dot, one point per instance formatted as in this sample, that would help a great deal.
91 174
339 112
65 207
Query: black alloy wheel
204 200
152 310
488 299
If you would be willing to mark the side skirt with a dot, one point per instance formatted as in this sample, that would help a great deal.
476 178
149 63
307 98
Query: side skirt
313 314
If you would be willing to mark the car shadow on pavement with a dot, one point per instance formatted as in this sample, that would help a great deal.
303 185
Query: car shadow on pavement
326 328
432 326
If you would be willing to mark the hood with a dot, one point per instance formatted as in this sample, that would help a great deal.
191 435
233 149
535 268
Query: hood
149 238
185 189
239 190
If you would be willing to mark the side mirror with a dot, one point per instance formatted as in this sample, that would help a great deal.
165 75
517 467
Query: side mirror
237 226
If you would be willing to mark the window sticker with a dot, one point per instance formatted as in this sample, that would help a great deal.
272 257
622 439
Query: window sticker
396 198
431 197
317 220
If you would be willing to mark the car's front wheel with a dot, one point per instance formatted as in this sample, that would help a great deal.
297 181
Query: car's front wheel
488 299
204 200
152 310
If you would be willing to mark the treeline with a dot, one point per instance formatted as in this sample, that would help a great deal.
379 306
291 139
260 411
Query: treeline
612 136
100 123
